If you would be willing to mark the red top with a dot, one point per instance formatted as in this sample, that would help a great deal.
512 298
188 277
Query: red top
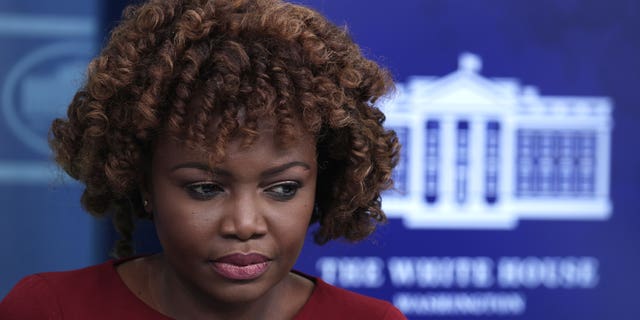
98 292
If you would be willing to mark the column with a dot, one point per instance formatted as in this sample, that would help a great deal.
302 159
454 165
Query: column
478 130
602 158
508 155
446 181
416 154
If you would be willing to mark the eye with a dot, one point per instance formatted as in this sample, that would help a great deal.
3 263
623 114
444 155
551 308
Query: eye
204 190
283 191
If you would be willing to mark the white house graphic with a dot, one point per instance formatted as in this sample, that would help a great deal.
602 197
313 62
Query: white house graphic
484 153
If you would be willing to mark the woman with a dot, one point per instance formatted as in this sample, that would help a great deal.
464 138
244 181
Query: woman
234 125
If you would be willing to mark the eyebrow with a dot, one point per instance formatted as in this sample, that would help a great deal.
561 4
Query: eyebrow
279 169
221 172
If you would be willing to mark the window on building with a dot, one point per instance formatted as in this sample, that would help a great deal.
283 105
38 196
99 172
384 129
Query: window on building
555 163
462 160
431 160
585 162
492 162
524 163
399 174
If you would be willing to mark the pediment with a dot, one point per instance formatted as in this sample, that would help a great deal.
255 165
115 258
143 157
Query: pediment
463 88
462 95
462 91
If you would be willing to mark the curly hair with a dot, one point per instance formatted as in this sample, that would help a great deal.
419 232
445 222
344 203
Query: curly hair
244 60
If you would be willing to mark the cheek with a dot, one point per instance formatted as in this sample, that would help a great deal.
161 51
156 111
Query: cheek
292 223
179 223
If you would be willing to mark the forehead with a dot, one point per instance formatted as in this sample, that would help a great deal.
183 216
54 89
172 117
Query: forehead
267 146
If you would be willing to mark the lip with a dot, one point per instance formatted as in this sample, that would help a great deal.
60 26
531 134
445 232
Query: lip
241 266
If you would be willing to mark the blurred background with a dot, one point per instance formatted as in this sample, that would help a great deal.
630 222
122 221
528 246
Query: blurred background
517 193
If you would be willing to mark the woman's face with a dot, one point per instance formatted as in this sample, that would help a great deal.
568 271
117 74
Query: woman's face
234 231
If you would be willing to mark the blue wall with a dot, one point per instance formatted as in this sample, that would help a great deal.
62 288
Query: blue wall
45 47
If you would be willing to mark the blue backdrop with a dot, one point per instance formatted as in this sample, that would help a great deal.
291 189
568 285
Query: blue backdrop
579 264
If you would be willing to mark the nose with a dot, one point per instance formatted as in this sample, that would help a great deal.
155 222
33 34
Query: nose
243 218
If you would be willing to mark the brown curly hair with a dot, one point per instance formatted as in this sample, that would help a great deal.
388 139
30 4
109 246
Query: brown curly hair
244 60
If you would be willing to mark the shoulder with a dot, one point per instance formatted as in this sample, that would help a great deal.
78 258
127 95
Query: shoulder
330 302
31 298
44 295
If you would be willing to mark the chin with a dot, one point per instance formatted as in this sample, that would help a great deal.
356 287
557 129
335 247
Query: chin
241 291
230 291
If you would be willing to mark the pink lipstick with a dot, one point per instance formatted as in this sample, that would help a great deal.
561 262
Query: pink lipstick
239 266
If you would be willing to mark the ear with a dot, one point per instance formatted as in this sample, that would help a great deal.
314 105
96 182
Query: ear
147 202
145 189
145 195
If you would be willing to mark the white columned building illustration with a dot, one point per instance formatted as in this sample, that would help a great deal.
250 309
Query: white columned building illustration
486 152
